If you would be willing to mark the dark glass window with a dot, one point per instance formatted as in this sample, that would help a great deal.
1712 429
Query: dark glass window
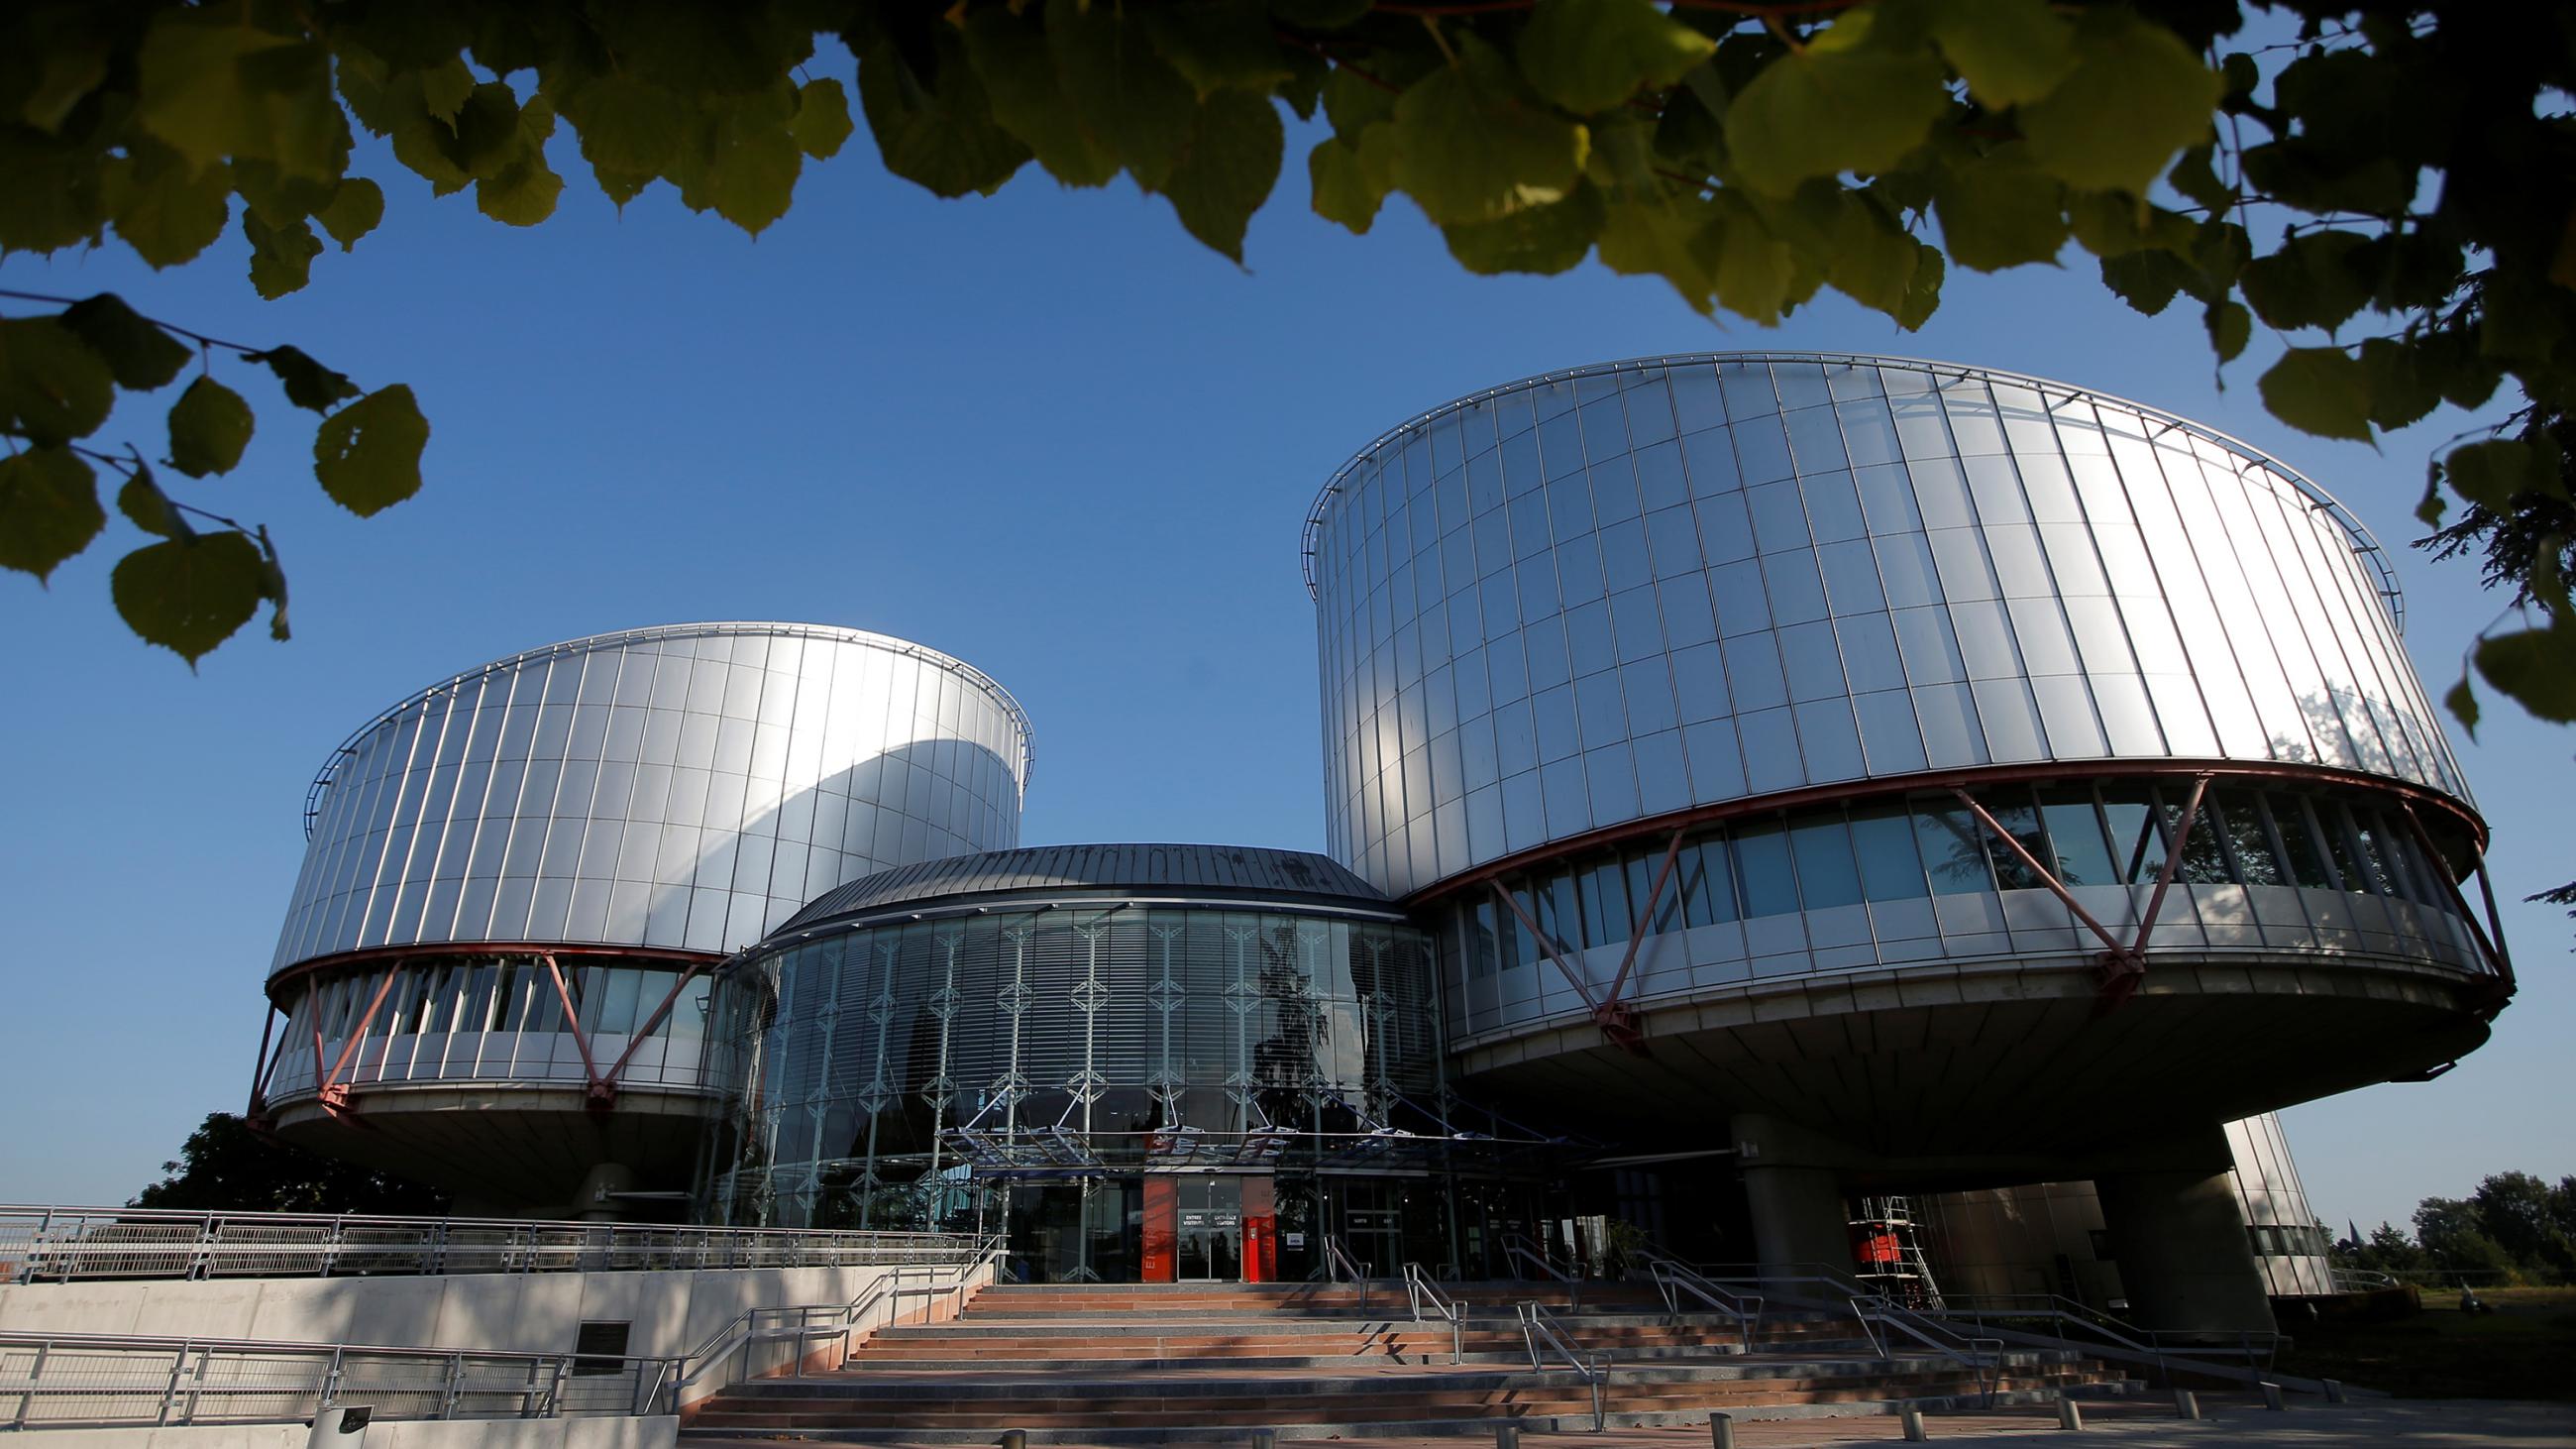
2204 854
1603 888
1954 852
2020 819
1766 882
2299 843
2075 831
1827 875
1642 870
1485 945
2137 842
601 1349
1708 881
2341 850
1883 841
2247 839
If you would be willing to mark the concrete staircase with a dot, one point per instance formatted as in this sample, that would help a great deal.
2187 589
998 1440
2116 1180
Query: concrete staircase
1166 1363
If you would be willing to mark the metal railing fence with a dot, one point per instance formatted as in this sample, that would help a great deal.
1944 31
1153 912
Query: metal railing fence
64 1244
1419 1290
1541 1335
76 1380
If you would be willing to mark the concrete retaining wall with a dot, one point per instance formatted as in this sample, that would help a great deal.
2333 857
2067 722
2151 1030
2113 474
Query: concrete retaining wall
659 1433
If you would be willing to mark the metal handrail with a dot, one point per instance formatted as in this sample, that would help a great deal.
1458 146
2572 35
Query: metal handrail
812 1321
1978 1307
1982 1356
1519 1249
109 1380
1539 1326
1672 1277
64 1244
1338 1263
1418 1289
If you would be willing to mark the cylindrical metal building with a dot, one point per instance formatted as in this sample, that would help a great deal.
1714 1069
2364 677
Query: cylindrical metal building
1893 773
490 968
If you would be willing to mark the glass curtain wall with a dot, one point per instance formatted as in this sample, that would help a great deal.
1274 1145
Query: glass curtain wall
889 1063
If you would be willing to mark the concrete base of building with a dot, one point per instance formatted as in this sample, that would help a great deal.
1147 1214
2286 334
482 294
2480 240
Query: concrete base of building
2179 1238
510 1150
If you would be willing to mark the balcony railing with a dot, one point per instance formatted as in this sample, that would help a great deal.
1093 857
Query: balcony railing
65 1244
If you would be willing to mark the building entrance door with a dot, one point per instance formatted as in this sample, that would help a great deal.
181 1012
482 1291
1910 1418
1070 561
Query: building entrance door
1209 1245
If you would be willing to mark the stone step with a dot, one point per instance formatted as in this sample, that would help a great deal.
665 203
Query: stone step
1255 1410
1292 1427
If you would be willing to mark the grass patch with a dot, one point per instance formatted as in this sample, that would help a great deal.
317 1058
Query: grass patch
2522 1350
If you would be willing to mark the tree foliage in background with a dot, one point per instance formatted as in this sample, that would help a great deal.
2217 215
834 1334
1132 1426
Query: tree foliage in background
2515 1226
227 1167
2392 194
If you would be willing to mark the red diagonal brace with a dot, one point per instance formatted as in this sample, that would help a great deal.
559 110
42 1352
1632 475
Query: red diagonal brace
1645 918
1617 1019
1581 986
688 973
334 1092
2118 965
600 1094
2122 972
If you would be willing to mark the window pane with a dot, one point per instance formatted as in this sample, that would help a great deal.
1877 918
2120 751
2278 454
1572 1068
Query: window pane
1606 915
1708 882
2340 848
2137 845
1883 840
2248 840
2298 843
2083 856
2020 819
1954 855
2204 855
1826 873
1768 885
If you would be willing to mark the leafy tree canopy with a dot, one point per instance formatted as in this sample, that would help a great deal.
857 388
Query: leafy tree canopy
227 1167
2392 193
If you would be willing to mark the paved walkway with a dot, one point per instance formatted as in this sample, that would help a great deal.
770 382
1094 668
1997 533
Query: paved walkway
2227 1423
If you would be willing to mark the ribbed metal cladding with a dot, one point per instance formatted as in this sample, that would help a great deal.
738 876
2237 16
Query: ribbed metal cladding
1197 870
685 787
1601 595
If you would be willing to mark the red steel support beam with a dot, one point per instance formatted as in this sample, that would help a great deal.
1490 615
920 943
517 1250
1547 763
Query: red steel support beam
600 1091
259 1064
334 1092
1581 986
313 1019
688 973
1645 917
2173 863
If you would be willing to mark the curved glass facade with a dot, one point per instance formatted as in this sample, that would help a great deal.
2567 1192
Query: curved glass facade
890 1057
1598 597
1913 877
684 787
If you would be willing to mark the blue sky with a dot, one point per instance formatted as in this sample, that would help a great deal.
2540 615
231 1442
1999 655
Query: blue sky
1045 432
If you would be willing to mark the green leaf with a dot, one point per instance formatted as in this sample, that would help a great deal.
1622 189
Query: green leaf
2000 211
627 126
1868 257
1320 14
1129 100
72 68
2008 51
2229 325
1590 55
2146 280
190 594
1353 105
2400 393
2319 390
2113 223
1542 239
2309 282
57 194
1923 293
1662 237
48 509
209 427
2137 96
308 383
1473 144
1018 70
2496 472
142 501
354 210
523 193
1835 107
53 386
935 130
2537 667
139 355
2462 702
211 85
281 258
2195 177
1219 44
822 118
368 453
1341 186
1754 272
1228 168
